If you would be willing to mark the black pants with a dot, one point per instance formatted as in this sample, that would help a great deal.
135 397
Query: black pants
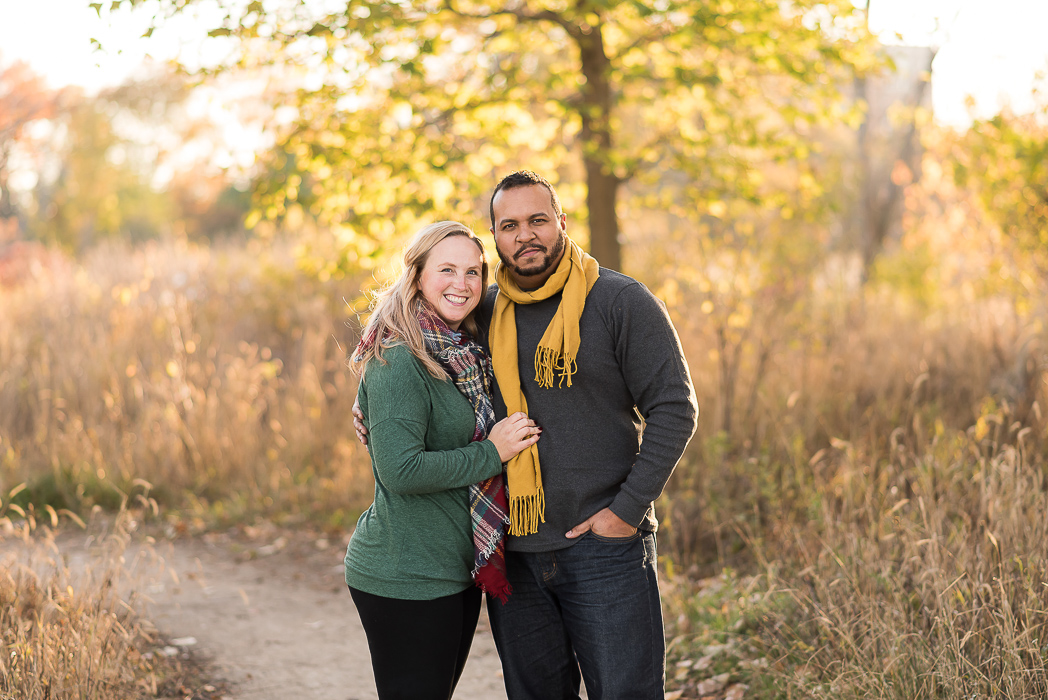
418 647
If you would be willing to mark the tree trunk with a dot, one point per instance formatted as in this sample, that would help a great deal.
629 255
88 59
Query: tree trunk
601 197
602 186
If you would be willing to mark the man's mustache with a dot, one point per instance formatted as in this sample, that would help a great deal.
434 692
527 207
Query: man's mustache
526 248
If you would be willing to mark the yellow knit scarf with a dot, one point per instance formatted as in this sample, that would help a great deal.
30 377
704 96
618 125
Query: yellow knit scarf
555 356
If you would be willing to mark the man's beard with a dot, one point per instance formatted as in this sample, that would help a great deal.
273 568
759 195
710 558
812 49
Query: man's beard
543 265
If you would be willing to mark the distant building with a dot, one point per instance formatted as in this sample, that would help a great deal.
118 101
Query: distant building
888 147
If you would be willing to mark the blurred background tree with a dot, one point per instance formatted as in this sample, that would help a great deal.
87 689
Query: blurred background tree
101 167
407 108
95 191
1006 159
24 99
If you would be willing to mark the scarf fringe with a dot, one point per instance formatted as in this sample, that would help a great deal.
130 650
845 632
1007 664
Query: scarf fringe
545 363
555 358
490 579
549 362
525 512
485 550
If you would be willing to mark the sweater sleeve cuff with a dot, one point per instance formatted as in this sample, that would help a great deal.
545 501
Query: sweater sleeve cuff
494 451
629 509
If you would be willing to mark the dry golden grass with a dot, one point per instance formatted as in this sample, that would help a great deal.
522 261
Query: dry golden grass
74 630
872 526
904 554
217 375
863 382
930 581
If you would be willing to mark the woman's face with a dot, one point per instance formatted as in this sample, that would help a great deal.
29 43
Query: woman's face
450 280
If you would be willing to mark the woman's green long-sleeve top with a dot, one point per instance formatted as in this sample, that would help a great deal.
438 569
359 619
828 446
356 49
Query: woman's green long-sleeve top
415 542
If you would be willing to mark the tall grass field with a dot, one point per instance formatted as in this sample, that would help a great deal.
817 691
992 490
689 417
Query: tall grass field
871 523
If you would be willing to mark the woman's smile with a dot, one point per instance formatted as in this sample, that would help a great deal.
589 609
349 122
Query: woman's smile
450 279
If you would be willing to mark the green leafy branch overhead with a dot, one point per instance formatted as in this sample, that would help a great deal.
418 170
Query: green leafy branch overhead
403 109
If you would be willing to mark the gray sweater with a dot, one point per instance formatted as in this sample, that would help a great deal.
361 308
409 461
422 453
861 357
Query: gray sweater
630 366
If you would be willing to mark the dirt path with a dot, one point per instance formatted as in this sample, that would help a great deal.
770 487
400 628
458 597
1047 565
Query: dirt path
271 617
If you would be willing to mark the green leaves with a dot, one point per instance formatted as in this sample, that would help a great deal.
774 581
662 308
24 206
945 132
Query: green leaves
691 97
1006 159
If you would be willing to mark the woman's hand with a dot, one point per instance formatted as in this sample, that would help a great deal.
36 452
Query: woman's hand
513 435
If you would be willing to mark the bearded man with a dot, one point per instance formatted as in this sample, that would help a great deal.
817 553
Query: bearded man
592 356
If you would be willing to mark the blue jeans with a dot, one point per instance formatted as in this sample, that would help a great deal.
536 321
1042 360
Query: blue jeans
590 612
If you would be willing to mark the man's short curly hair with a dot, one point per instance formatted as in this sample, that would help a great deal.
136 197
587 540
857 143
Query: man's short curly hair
523 178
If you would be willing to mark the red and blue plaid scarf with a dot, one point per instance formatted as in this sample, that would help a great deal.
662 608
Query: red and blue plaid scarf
470 369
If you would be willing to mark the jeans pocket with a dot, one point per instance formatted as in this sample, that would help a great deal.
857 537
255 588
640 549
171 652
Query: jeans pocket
615 540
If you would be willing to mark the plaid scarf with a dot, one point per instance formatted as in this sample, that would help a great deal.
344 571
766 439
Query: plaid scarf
470 369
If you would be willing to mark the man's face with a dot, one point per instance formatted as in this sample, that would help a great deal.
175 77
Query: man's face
529 236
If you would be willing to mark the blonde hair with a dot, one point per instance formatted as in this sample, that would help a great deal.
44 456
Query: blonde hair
394 309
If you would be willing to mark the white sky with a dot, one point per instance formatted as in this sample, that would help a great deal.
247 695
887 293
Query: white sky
990 49
54 37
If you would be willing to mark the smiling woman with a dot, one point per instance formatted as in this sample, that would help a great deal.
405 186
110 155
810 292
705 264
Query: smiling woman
451 279
437 522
